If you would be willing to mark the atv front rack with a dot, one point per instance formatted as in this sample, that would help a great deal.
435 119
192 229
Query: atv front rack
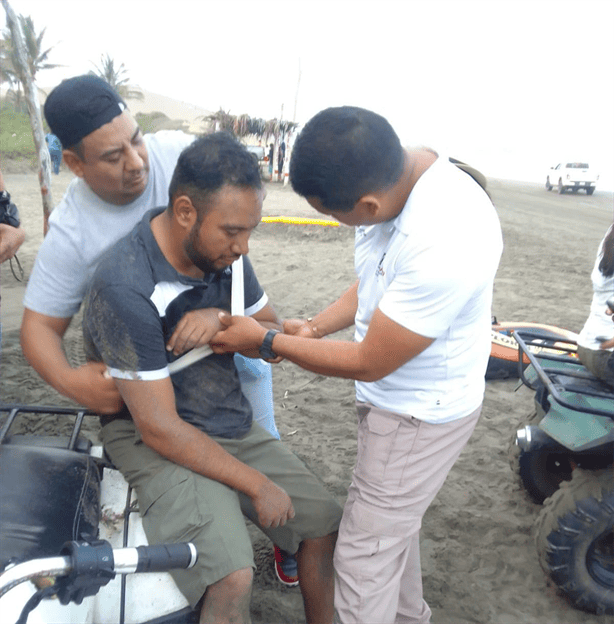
71 443
566 380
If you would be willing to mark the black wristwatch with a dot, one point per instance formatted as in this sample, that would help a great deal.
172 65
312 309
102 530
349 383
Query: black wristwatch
266 348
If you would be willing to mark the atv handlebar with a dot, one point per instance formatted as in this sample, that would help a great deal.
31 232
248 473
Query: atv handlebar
98 562
157 558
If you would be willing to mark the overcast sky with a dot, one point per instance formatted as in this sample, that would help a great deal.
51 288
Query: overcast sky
510 86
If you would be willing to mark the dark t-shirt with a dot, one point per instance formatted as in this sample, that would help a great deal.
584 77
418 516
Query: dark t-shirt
135 301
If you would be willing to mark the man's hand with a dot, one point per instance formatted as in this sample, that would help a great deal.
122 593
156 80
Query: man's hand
298 327
241 334
608 344
11 239
273 505
195 329
89 385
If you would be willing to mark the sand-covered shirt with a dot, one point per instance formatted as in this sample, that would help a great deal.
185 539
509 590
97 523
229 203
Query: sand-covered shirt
134 304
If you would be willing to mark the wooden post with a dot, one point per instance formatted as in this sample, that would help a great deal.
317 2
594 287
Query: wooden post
289 141
36 121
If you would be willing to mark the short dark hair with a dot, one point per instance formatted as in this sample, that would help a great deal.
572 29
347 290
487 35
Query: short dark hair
211 162
343 154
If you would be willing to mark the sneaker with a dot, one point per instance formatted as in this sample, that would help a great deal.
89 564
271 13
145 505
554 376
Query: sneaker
286 567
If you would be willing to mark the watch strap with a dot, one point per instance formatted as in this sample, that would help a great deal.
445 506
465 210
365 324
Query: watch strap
266 348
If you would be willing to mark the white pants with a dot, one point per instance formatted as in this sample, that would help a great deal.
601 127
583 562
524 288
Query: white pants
401 465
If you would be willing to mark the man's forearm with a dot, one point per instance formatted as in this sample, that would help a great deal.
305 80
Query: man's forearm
152 405
338 315
386 346
332 358
153 409
41 342
189 447
11 239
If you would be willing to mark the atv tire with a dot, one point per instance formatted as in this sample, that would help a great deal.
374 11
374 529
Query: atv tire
542 471
575 540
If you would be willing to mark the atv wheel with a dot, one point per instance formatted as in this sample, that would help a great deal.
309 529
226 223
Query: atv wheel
548 185
542 471
575 540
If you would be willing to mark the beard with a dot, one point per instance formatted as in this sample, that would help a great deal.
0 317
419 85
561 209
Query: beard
205 264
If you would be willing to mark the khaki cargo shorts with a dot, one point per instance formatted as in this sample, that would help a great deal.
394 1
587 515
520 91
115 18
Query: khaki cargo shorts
179 505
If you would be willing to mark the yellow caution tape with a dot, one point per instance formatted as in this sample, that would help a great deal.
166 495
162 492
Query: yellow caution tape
299 221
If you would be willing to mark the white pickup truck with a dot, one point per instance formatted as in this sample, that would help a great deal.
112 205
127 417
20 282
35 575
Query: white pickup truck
572 176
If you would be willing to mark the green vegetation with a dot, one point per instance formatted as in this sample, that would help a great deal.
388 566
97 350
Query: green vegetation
16 142
152 122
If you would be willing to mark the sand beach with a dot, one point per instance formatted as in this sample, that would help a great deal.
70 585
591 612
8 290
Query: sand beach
478 557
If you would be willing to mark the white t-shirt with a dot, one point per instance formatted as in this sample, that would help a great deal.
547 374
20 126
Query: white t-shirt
432 270
83 226
598 322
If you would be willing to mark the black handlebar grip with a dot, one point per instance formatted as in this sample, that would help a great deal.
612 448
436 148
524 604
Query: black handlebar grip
166 556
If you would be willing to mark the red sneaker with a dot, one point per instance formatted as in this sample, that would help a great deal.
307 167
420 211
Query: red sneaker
286 567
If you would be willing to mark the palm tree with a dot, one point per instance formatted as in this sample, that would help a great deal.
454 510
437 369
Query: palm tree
221 120
244 125
6 67
117 77
37 58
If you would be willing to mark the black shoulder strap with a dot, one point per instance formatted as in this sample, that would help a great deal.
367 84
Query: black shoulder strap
478 176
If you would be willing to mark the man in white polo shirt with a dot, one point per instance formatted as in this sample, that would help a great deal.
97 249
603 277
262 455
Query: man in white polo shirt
428 244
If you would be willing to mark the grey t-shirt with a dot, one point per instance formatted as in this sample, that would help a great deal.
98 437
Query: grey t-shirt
83 226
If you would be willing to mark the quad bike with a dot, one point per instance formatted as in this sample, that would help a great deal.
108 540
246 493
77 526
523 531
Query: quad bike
564 455
72 545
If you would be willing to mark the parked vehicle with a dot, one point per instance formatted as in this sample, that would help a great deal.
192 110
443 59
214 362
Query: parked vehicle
68 514
260 156
257 151
572 176
564 455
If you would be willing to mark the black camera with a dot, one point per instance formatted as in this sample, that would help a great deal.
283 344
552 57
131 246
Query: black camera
8 211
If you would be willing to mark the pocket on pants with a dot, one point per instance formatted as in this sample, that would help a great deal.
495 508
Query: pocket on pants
170 509
376 436
162 486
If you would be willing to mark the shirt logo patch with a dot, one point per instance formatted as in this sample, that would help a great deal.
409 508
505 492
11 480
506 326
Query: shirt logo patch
380 268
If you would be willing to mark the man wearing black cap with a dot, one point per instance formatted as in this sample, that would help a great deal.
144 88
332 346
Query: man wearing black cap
120 175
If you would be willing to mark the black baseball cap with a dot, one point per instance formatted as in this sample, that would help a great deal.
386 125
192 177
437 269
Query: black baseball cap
80 105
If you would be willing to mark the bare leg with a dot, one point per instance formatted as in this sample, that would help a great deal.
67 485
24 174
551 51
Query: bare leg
315 574
227 601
